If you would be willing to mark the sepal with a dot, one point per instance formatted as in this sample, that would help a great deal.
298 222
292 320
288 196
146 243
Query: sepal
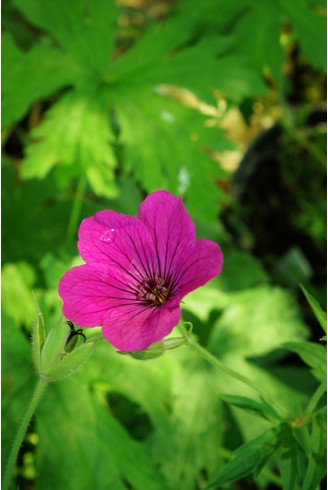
58 355
70 362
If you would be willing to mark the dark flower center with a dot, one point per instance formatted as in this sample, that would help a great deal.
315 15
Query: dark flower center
154 291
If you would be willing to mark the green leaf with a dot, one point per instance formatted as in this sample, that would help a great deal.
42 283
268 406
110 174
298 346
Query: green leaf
309 27
241 271
204 300
314 355
82 434
289 466
79 27
250 458
43 69
184 440
17 283
17 381
257 321
228 73
320 315
262 47
254 407
177 161
317 467
80 140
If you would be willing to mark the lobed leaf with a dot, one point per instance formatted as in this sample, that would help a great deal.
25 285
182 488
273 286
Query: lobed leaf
309 26
43 69
78 27
80 141
176 162
257 321
101 453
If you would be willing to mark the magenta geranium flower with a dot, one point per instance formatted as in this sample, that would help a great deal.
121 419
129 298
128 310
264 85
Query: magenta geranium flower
137 271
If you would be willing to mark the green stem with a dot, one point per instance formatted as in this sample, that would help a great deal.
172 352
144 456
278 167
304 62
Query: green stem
39 390
217 363
319 392
76 208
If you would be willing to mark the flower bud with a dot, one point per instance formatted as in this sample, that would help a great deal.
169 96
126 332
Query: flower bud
53 347
57 355
156 349
70 362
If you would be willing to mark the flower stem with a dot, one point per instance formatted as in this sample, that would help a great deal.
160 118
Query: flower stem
315 398
39 390
217 363
76 209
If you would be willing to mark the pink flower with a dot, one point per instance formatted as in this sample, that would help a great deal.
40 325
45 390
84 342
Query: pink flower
137 271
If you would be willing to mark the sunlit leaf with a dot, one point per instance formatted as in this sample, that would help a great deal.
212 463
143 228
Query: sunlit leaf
80 139
17 282
84 428
258 320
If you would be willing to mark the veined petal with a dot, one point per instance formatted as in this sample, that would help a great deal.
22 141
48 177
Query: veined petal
109 238
91 292
170 226
204 261
130 329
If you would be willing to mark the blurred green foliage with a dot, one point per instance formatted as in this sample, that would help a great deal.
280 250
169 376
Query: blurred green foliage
104 102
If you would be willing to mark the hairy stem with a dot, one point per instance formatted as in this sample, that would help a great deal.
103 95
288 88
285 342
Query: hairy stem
39 390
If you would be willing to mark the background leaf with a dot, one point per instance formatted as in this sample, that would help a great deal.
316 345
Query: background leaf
317 464
249 459
314 355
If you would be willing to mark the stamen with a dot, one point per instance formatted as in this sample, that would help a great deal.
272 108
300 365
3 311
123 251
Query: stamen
154 291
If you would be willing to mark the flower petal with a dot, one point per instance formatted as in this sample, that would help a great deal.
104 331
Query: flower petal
91 292
203 262
130 330
118 240
170 226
